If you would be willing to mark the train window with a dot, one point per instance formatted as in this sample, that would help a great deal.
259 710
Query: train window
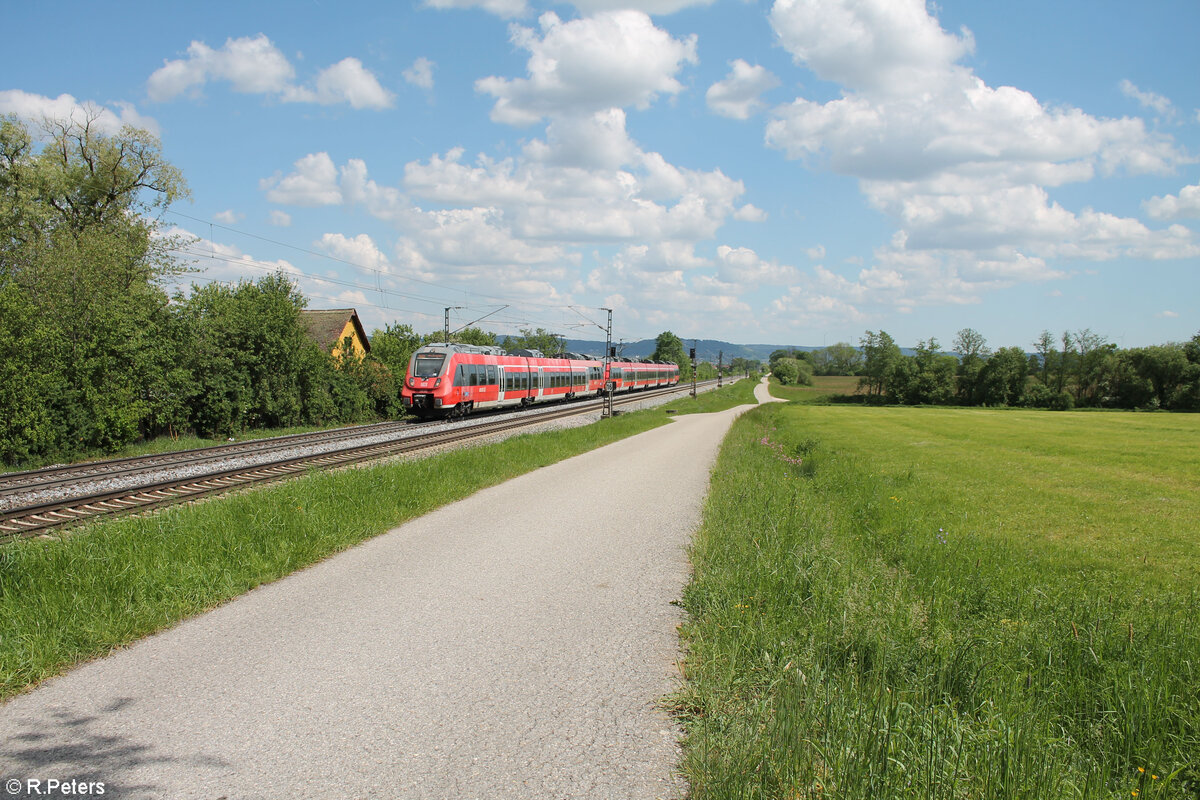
460 376
492 381
427 365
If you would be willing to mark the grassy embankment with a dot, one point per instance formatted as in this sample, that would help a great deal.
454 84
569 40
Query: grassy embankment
943 603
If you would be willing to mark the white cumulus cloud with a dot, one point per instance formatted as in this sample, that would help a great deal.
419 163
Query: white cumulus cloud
359 250
887 46
420 74
1150 100
345 82
961 167
254 65
501 8
648 6
738 96
743 267
612 60
1185 204
313 182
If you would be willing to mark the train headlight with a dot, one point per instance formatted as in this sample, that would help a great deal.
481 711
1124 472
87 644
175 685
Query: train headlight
437 383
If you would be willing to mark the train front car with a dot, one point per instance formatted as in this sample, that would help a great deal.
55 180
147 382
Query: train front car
426 387
449 380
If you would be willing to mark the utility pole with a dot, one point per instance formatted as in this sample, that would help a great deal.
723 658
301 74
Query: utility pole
720 366
608 384
447 327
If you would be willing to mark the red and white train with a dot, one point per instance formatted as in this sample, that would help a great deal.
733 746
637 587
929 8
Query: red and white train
455 379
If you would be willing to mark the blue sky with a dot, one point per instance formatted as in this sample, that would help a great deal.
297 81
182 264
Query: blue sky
796 171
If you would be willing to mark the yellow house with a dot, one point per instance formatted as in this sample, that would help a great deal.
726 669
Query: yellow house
330 329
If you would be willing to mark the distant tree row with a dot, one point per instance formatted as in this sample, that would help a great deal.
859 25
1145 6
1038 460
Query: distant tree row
1079 369
797 366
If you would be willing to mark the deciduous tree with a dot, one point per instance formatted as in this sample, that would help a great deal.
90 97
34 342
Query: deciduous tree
79 239
881 356
973 353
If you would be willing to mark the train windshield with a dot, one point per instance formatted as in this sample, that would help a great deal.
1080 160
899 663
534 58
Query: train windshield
427 365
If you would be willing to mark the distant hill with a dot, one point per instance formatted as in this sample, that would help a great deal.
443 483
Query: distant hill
706 349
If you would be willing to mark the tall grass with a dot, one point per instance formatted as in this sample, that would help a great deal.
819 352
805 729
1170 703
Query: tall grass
73 598
944 604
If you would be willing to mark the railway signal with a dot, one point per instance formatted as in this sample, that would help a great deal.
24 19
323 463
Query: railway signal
692 355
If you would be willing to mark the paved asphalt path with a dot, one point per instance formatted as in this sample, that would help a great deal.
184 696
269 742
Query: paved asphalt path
515 644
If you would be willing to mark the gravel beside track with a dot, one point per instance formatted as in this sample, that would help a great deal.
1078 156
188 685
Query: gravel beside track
515 644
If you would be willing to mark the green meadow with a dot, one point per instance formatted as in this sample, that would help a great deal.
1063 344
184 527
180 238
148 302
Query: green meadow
946 603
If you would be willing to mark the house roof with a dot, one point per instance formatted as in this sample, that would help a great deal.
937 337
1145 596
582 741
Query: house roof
326 326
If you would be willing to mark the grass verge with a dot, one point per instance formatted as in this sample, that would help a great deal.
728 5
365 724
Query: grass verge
946 603
729 396
67 600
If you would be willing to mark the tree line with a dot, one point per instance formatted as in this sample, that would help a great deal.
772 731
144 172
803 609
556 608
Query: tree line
1077 369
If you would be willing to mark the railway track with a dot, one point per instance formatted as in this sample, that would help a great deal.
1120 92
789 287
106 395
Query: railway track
13 483
29 519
